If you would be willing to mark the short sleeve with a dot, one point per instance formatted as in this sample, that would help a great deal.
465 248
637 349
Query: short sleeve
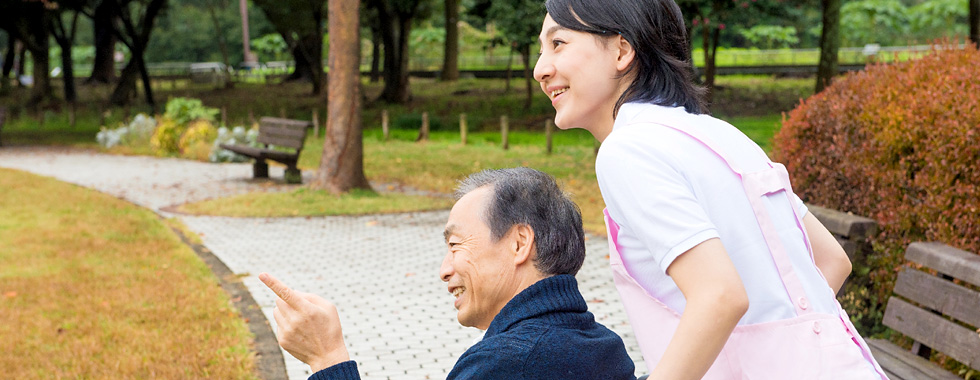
646 191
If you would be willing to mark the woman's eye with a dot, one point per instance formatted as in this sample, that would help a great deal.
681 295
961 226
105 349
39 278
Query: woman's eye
557 43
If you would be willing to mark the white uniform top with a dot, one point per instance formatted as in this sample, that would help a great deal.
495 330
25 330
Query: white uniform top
669 193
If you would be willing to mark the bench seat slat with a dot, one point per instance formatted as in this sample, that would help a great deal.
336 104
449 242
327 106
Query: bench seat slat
298 134
941 295
285 142
266 120
900 364
945 259
934 331
275 155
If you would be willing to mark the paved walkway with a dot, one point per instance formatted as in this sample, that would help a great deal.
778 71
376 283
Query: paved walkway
380 270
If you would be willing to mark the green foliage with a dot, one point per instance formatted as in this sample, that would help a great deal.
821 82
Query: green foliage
770 36
185 110
196 141
898 143
518 20
270 47
413 121
891 22
166 138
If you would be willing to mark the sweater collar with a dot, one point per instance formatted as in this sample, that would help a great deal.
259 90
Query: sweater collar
547 298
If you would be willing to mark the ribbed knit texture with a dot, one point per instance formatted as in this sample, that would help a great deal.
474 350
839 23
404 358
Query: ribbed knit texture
342 371
546 332
543 333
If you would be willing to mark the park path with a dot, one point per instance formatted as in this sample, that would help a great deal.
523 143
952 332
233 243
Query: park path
380 270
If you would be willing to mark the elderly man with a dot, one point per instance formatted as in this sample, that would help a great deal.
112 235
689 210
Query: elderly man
514 242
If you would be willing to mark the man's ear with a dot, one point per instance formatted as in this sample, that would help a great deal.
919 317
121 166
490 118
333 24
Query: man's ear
522 243
626 53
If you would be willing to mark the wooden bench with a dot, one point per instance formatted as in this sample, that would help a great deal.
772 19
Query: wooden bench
935 311
854 234
282 140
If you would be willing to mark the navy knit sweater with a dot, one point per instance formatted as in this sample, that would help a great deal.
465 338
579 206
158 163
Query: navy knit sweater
545 332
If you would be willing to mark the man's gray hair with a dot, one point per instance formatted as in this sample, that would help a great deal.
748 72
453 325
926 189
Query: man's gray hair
524 196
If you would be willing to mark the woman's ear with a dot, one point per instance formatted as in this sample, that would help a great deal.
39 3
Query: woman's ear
626 53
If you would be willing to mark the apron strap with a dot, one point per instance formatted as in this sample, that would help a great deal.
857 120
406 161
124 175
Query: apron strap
757 185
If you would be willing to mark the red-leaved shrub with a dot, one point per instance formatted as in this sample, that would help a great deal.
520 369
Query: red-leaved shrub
899 143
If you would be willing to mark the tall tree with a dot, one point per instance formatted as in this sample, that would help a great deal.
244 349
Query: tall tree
27 22
974 21
8 62
520 21
300 22
829 43
342 163
396 18
450 56
64 34
103 67
134 25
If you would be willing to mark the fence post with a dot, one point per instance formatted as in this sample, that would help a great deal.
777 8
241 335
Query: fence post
462 128
547 135
224 116
282 112
424 131
504 127
251 117
384 125
316 123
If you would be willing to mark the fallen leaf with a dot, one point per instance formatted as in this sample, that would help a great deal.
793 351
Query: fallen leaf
10 294
371 223
409 274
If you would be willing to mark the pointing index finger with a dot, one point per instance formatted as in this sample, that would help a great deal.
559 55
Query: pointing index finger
281 290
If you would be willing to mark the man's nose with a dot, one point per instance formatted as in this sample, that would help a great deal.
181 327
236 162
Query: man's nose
446 269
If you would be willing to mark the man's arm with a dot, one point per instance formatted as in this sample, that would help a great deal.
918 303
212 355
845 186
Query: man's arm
309 329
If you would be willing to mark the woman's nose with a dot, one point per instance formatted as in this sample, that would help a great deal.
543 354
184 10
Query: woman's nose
543 69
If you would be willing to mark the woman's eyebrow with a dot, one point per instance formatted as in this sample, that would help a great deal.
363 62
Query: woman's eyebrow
551 31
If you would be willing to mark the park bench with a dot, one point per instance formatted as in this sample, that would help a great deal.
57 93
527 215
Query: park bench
939 312
282 140
853 232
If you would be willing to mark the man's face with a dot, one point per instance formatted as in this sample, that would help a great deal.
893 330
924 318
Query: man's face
479 272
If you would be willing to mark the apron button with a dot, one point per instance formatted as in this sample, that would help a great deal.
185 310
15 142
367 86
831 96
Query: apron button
816 328
803 303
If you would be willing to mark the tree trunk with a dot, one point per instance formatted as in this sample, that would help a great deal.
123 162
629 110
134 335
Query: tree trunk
68 74
829 44
8 62
396 61
308 55
126 86
247 55
450 57
342 163
222 45
103 68
709 36
42 74
19 64
974 20
376 55
526 57
509 73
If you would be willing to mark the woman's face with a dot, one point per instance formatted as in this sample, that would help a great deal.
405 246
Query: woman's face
580 74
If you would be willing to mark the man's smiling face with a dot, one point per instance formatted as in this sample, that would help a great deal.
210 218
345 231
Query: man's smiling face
479 272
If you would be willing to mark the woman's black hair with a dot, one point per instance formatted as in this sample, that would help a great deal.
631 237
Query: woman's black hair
663 72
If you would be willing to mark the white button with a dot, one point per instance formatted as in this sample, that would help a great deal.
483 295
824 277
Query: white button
803 303
816 327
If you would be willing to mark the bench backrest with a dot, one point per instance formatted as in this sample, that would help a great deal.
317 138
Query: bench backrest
286 133
851 231
948 313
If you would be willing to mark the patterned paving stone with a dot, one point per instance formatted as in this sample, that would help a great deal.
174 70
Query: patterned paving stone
380 270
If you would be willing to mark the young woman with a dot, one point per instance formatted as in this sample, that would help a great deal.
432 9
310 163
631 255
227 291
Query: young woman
722 271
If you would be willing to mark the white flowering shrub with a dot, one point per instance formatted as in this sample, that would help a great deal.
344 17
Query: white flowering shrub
137 132
236 136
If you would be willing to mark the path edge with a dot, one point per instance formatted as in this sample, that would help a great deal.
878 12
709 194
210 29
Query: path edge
269 363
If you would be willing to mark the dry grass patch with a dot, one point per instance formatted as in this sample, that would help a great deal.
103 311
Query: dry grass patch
94 287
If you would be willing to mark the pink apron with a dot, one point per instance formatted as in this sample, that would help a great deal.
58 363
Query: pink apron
811 345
